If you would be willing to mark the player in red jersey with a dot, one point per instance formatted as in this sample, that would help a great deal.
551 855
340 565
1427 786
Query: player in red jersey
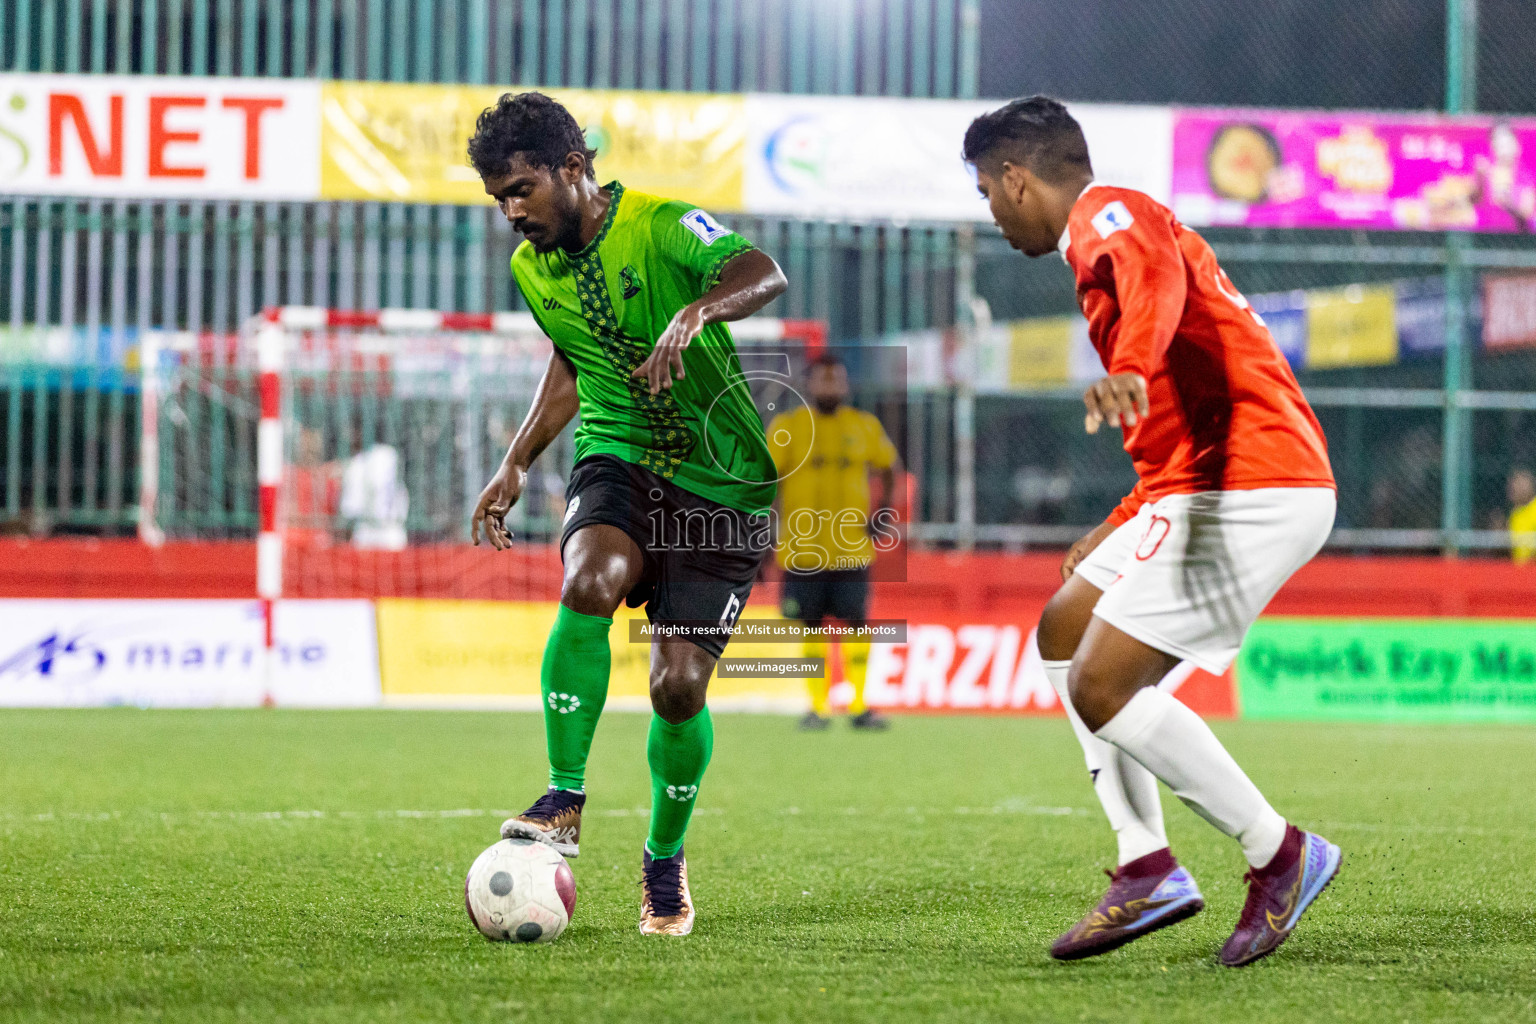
1235 493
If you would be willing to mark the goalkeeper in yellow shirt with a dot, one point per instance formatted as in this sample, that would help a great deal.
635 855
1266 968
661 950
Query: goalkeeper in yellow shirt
825 454
1522 516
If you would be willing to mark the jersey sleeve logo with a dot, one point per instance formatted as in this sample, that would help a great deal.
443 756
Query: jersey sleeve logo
1114 217
706 227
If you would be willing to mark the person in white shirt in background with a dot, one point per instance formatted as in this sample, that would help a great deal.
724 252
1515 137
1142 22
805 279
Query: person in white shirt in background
374 499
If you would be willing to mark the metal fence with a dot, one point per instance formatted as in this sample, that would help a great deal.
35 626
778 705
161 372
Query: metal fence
1422 450
104 271
1038 479
108 270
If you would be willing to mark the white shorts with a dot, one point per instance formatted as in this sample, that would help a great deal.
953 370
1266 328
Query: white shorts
1190 572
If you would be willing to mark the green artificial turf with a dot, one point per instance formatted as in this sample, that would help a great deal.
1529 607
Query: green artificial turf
308 866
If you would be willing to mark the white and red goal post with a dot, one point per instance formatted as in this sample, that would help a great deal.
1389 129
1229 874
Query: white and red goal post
427 399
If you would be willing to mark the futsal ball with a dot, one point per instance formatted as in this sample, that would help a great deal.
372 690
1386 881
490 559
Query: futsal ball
520 891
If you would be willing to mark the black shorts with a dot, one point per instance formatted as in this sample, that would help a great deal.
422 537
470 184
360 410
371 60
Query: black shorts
701 557
812 597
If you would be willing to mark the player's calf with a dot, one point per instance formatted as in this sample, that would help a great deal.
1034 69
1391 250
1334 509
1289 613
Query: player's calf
554 820
680 673
1148 894
1109 668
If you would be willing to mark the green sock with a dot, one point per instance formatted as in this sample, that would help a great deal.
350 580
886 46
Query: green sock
574 681
678 755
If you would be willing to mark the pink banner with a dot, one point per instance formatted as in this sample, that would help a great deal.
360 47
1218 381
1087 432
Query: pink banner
1299 169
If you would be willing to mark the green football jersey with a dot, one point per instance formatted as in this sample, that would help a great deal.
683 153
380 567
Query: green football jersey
605 307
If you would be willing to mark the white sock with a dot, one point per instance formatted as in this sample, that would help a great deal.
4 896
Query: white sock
1126 790
1176 746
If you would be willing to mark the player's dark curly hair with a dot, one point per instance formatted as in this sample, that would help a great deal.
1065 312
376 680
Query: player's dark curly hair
1037 132
530 124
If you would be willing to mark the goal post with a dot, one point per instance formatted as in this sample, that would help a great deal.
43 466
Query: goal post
378 429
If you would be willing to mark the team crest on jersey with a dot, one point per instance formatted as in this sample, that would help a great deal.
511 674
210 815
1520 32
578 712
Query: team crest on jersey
1114 217
630 282
706 227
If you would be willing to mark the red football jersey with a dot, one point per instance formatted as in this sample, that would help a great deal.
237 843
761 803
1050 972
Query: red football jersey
1226 411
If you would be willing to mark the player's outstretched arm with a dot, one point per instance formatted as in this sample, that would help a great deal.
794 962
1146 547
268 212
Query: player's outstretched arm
747 283
554 404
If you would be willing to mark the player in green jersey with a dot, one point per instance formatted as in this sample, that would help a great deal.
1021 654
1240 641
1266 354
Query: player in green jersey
668 500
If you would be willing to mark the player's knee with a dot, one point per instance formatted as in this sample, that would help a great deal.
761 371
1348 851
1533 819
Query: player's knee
1060 628
589 596
677 691
593 587
1093 694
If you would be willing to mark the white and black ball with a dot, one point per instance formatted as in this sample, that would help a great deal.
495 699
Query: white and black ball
520 891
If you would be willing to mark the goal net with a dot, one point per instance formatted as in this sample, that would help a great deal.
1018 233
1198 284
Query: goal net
355 444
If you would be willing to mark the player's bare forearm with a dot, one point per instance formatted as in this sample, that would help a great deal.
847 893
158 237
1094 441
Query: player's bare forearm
554 404
747 283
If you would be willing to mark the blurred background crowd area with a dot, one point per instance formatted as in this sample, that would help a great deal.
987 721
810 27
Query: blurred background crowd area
1416 339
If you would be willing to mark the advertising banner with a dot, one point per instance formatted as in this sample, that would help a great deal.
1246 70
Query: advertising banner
79 653
1320 328
116 136
1039 351
444 653
1301 169
405 142
1354 326
1509 311
1285 314
1420 316
850 157
971 666
1021 355
829 157
1390 670
839 157
70 346
489 653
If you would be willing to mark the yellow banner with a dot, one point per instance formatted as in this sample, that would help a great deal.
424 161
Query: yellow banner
1039 351
1354 326
442 651
405 142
